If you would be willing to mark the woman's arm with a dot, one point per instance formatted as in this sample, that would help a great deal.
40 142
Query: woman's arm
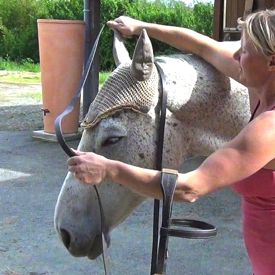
248 152
251 150
219 54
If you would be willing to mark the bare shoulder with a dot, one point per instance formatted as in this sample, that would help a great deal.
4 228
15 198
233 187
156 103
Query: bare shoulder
261 131
266 118
254 145
267 121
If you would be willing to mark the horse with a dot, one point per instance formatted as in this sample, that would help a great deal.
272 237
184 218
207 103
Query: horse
205 109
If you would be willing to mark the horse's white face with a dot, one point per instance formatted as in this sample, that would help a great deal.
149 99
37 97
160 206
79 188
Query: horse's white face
77 216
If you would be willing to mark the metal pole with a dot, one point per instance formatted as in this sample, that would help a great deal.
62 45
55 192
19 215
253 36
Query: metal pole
218 20
92 21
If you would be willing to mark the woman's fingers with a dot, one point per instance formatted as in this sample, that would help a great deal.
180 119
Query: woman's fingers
126 26
112 24
73 161
77 152
87 167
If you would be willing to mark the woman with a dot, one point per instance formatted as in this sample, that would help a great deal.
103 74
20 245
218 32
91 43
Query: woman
247 162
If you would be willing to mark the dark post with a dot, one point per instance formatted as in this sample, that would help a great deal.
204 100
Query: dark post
218 20
263 4
92 20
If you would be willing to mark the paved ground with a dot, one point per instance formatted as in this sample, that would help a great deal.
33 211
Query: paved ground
31 175
20 107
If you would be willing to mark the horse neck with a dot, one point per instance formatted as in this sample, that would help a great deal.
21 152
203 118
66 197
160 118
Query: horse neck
201 103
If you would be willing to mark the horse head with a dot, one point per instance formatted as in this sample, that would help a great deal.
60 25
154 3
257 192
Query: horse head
127 98
122 124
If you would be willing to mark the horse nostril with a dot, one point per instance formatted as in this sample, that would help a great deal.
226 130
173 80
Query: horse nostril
66 238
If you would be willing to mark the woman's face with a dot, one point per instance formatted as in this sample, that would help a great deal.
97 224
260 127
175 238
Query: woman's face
253 64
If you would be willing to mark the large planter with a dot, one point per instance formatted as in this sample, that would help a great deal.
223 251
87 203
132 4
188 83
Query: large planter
61 50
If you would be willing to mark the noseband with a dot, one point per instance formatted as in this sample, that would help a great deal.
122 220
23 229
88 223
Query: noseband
192 229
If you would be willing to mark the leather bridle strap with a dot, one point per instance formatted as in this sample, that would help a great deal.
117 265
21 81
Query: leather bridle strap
192 229
168 185
70 107
160 144
71 153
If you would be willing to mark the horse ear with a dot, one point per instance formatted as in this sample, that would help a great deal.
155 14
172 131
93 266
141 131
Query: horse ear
120 52
143 58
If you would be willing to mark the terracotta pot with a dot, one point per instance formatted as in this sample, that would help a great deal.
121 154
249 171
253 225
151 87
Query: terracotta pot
61 50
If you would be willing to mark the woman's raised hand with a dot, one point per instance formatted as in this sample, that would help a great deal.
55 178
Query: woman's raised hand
126 26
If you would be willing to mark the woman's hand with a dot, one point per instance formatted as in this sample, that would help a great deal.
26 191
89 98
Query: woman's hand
126 26
88 167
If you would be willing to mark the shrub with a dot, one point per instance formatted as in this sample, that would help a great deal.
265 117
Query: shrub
109 10
18 22
206 12
18 37
62 9
172 13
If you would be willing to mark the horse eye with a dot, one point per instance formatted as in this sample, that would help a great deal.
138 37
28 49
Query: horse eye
111 140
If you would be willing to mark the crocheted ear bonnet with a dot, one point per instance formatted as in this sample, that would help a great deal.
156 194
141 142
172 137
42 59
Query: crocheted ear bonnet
122 91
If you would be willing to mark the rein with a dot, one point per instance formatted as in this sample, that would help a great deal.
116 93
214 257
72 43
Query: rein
193 229
71 153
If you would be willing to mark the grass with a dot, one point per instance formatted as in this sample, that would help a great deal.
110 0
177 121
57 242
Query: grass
26 65
20 77
37 96
23 72
26 72
103 77
30 96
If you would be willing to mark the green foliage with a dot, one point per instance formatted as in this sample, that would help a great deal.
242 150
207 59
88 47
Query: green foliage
18 23
206 12
26 65
18 32
109 10
65 9
174 13
103 76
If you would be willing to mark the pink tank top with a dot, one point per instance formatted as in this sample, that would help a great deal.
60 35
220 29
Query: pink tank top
258 206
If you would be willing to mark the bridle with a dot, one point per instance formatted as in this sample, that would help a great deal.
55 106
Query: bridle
193 229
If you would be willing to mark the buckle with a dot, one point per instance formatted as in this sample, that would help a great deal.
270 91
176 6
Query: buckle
169 171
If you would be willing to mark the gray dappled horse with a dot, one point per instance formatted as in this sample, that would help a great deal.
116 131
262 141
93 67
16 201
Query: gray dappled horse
204 110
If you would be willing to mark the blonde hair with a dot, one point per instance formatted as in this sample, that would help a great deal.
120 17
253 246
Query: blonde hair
260 28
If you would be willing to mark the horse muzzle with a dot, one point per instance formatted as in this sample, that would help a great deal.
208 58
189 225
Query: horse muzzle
97 247
84 246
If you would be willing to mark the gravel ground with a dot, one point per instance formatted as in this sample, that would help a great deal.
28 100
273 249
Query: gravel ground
20 108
